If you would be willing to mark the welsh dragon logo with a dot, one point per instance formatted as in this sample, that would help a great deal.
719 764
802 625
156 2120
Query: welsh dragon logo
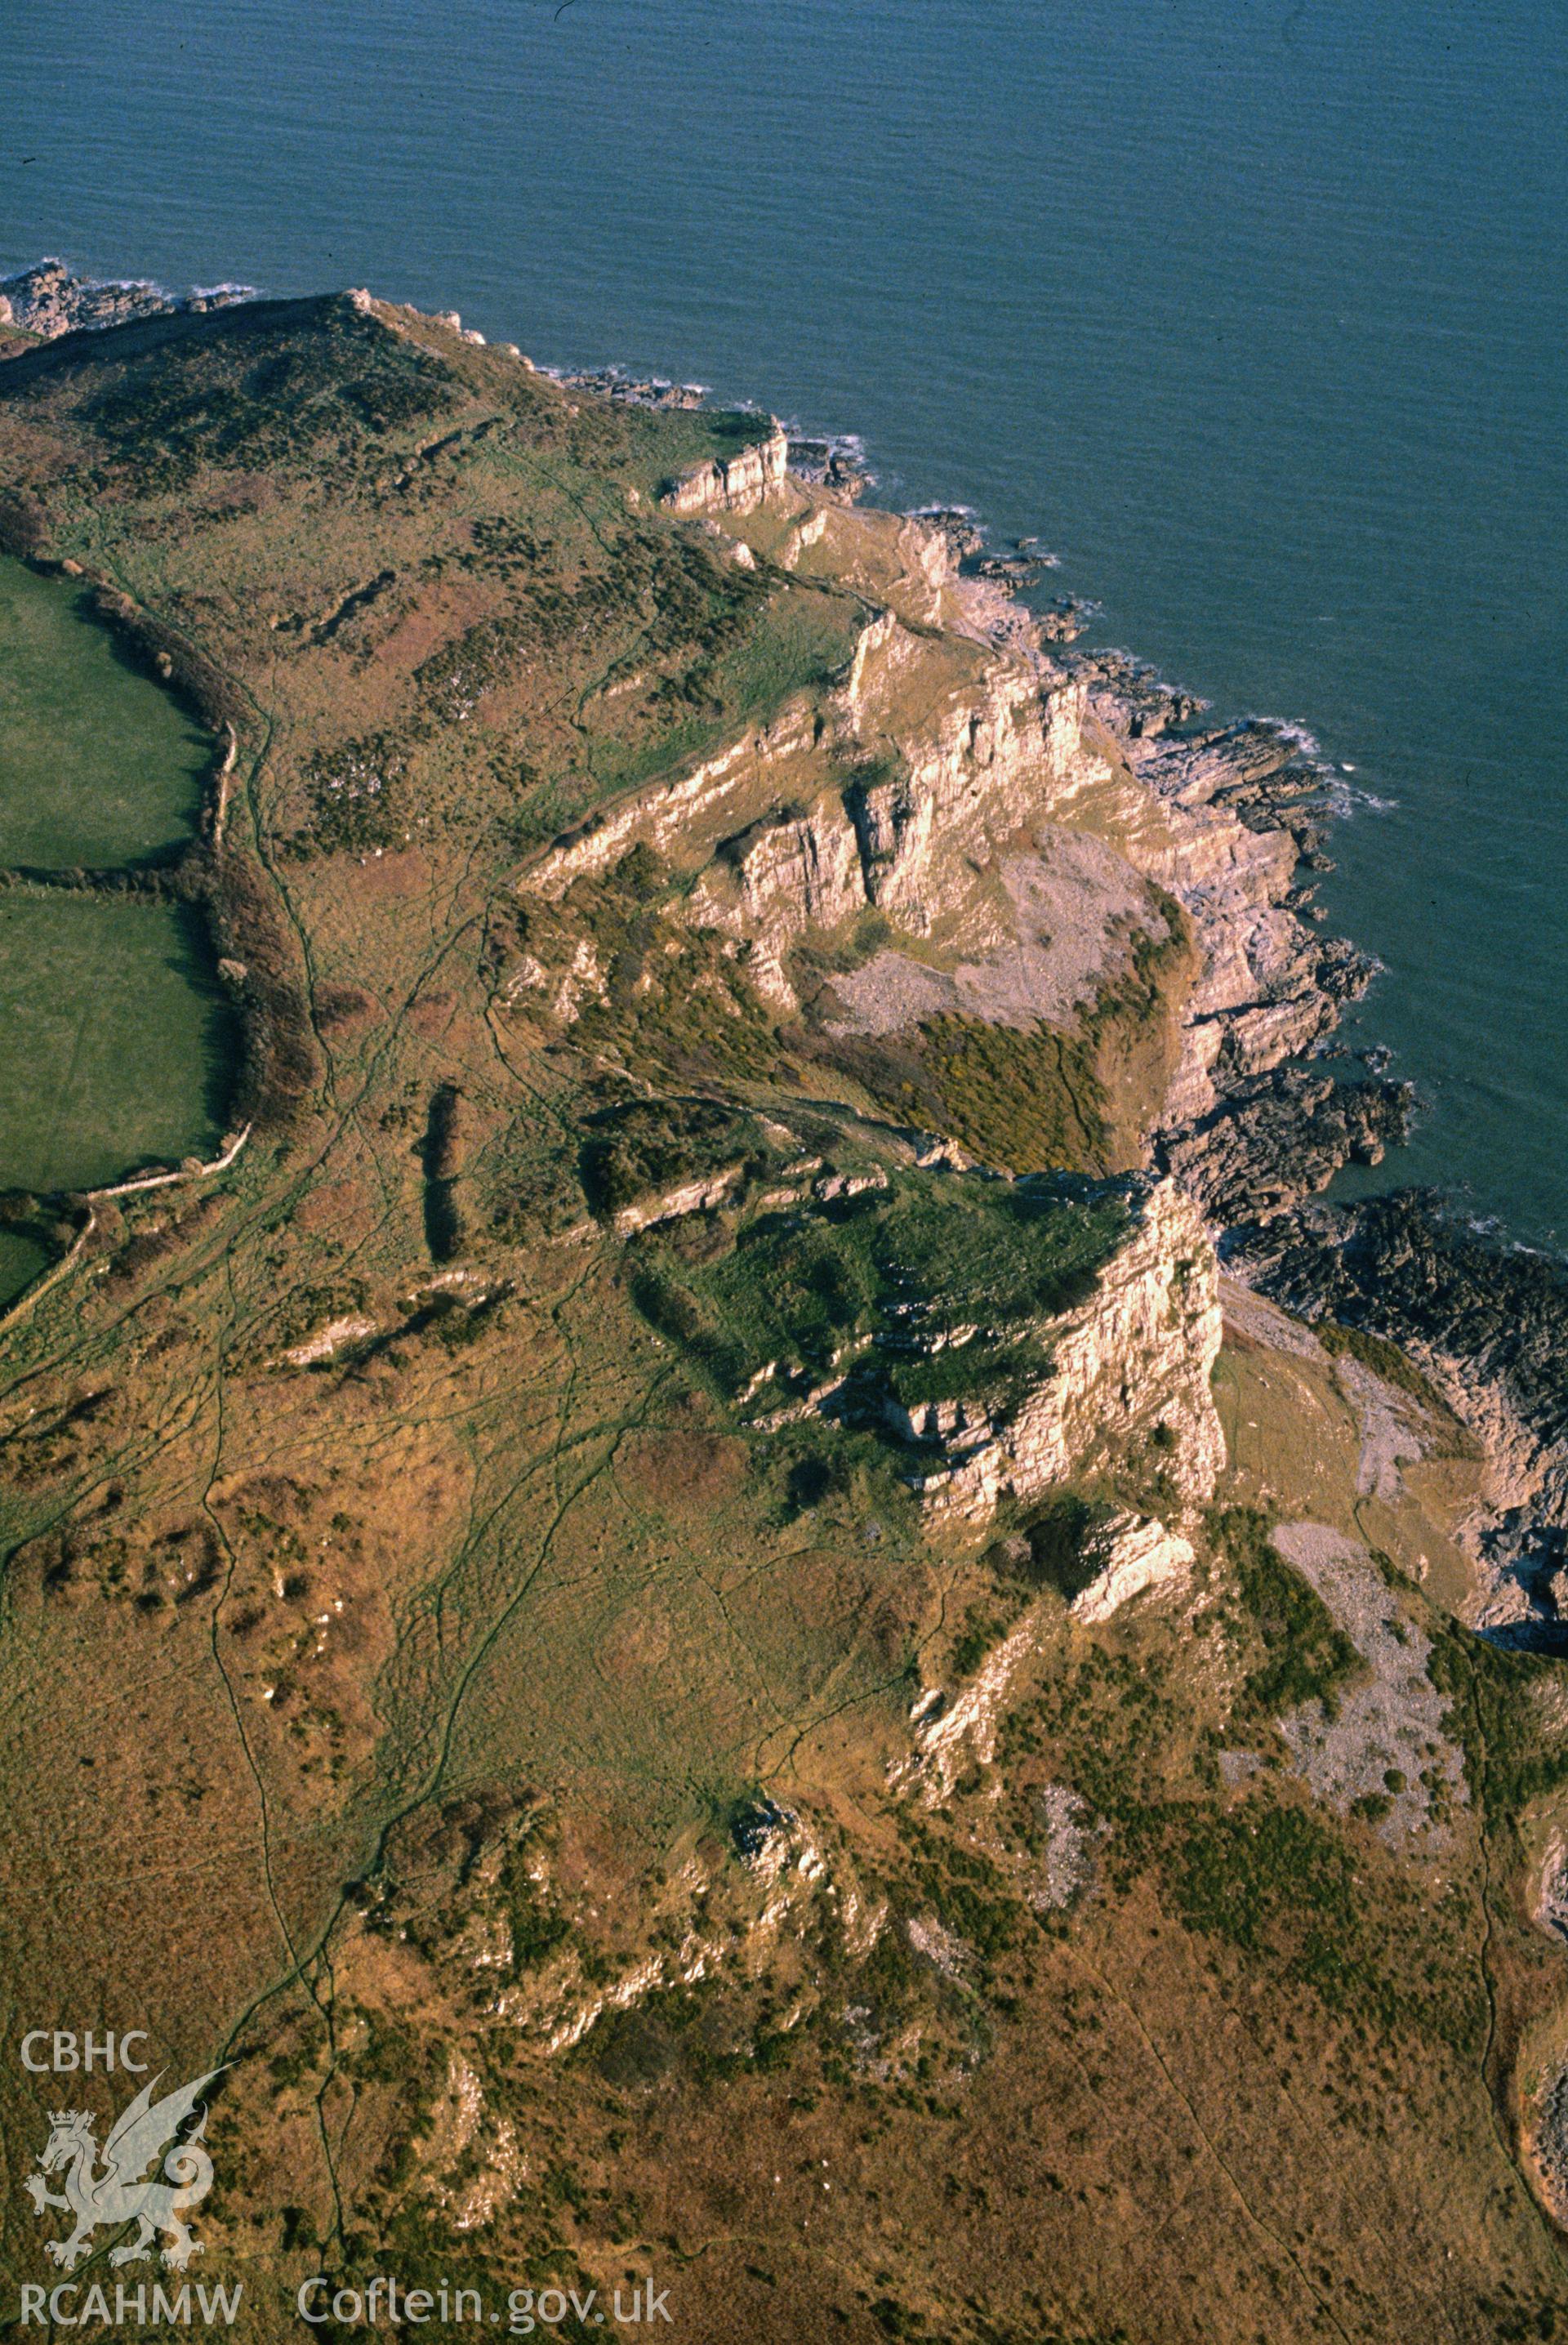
119 2189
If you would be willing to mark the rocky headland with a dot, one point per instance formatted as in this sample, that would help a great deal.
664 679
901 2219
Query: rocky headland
1043 819
768 1508
992 831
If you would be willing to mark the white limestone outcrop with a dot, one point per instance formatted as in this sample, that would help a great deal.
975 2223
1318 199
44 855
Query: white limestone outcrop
1130 1364
1136 1555
736 484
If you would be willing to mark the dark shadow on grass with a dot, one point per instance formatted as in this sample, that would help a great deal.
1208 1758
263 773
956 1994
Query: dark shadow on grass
223 1036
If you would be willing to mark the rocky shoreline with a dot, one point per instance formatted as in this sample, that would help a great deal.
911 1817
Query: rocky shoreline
1249 1129
1485 1321
48 301
1262 1111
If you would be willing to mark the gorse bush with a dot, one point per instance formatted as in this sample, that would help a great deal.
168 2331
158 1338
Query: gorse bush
1307 1656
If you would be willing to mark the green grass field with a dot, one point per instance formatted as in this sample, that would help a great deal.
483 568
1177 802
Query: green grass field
113 1039
98 766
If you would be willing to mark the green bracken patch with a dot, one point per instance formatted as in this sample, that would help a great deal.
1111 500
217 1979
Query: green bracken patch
1383 1358
1507 1713
940 1276
247 389
1059 1552
357 799
1307 1657
1043 1099
1030 1100
653 1145
537 1925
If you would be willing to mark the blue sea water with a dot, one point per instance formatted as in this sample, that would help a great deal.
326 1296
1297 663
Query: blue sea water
1254 309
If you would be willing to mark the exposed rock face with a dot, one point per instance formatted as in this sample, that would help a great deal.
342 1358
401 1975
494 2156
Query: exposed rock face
1486 1325
950 1732
836 466
1551 1907
637 390
735 483
1071 1834
1548 2144
692 1197
48 301
1026 821
1135 1556
969 770
330 1339
957 527
1072 902
661 814
1136 1357
783 876
978 751
904 845
770 1838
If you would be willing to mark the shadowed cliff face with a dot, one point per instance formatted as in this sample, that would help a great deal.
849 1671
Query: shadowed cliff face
707 1646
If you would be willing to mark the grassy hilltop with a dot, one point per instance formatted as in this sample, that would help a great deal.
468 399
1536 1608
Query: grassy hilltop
471 1624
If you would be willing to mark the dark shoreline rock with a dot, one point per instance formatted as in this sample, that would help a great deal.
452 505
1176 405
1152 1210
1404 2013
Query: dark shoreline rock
49 300
1279 1139
957 528
1255 1124
652 391
1259 1125
836 465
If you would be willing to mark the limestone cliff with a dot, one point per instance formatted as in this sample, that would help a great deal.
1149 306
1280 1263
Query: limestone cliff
1129 1367
731 483
933 765
1033 834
